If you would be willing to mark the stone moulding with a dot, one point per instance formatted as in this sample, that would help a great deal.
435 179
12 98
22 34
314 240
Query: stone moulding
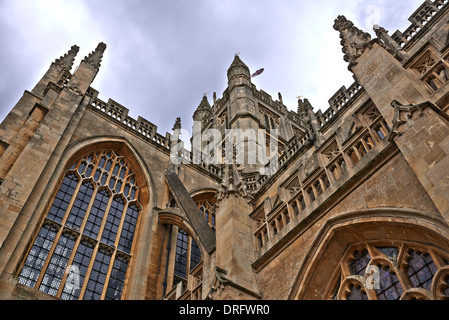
406 115
220 282
386 216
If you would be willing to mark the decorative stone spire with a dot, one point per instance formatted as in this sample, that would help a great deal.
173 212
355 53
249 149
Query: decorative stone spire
238 63
96 56
66 61
203 110
238 73
177 125
303 107
390 43
353 39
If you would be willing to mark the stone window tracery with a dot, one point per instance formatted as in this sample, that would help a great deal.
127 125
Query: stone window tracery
270 119
187 257
373 130
395 271
88 231
431 69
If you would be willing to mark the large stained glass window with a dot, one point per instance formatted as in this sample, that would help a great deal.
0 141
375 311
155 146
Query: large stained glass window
393 271
83 248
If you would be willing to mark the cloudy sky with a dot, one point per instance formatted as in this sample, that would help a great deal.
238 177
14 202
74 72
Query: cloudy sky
163 55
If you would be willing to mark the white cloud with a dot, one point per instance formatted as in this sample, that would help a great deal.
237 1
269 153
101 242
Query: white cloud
163 55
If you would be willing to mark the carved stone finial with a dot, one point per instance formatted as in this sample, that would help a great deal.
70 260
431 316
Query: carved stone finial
66 61
379 30
353 40
390 44
238 66
177 125
302 109
96 56
403 115
203 111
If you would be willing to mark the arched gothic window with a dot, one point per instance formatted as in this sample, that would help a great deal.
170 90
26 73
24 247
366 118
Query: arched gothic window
206 204
83 248
185 262
188 256
393 271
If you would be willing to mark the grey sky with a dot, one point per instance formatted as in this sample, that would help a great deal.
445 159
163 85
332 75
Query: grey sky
163 55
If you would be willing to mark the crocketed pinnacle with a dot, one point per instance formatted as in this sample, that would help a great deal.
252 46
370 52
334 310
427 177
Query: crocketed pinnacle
96 56
204 109
204 105
237 63
66 61
177 125
353 40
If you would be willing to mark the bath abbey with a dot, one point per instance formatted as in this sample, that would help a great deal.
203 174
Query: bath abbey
263 203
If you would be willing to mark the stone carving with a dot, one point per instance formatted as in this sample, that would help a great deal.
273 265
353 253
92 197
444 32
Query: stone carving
96 56
353 40
66 61
403 116
73 85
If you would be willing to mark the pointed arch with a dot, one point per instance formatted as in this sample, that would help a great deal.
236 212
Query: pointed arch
112 201
176 217
318 269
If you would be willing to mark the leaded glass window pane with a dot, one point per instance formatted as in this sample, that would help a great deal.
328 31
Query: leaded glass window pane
37 256
195 255
81 262
96 215
361 260
80 206
113 221
63 197
181 254
117 280
98 276
399 268
58 263
89 218
390 288
129 227
390 252
420 270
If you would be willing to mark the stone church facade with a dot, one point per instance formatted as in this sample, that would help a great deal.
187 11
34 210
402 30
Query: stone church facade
353 204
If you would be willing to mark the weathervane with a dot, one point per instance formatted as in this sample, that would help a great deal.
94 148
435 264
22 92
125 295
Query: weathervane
236 54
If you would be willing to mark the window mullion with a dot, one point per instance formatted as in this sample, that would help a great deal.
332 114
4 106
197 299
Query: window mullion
189 252
105 218
122 222
69 263
108 275
117 239
49 256
72 201
89 270
436 259
172 258
89 208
